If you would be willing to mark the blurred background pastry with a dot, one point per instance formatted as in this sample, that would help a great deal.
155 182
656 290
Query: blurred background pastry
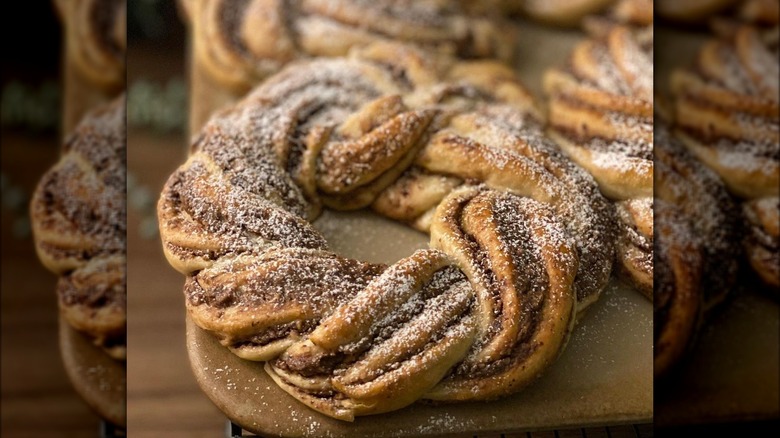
95 42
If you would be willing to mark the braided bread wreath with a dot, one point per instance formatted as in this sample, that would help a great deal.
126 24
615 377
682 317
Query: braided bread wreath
521 239
78 215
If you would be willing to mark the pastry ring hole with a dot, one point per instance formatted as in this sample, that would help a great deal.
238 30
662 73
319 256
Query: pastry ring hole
368 236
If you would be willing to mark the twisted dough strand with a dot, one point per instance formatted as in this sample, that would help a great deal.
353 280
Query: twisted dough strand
242 42
762 242
601 115
728 115
697 230
78 216
677 297
527 313
96 39
517 250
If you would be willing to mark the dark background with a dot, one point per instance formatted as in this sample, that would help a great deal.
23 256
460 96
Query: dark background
36 396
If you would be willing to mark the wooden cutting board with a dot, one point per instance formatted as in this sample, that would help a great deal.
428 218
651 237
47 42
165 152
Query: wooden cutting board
604 376
99 379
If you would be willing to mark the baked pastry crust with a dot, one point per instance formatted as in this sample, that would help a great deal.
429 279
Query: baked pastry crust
601 116
78 215
762 236
94 35
677 301
96 39
240 43
727 115
520 237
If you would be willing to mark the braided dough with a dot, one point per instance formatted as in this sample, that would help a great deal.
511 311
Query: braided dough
521 239
242 42
78 214
763 237
601 115
697 239
727 115
677 299
96 39
94 55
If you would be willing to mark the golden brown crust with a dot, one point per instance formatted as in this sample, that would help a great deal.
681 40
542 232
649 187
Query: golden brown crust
506 151
727 114
78 216
635 243
241 42
526 243
601 116
93 300
499 344
222 297
413 196
713 215
525 316
595 16
678 298
96 39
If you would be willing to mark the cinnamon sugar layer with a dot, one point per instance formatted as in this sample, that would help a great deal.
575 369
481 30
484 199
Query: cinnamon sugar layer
79 224
532 243
241 42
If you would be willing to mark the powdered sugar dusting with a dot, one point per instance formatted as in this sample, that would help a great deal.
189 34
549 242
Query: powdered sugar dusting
612 84
706 206
736 126
79 213
336 329
245 53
